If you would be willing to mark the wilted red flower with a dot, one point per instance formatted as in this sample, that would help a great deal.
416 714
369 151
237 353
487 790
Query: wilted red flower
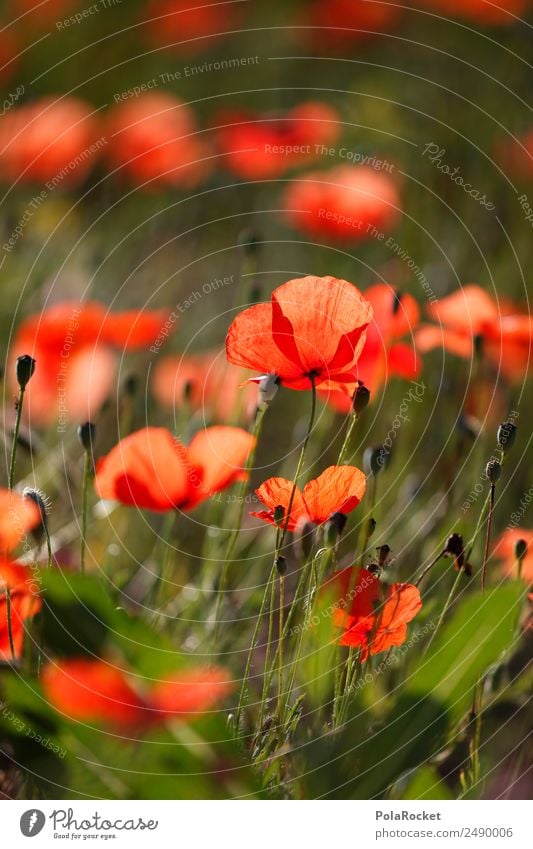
373 615
314 327
340 23
383 356
49 141
490 12
204 382
189 26
343 204
259 146
18 515
73 344
469 315
90 690
153 139
25 603
504 550
338 489
152 470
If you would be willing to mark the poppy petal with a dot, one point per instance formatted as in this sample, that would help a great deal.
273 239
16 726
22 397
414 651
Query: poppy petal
191 692
276 492
17 516
338 489
219 453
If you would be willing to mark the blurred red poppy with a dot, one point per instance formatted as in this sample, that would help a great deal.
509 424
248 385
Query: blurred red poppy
152 470
207 383
313 328
189 26
153 139
470 316
373 615
18 515
504 550
339 489
490 12
24 604
258 146
73 344
340 23
92 690
53 140
344 204
383 356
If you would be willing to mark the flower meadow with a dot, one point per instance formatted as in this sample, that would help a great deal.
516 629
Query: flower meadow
265 511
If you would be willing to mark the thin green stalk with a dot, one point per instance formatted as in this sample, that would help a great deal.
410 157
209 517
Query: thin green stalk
20 402
445 608
85 498
428 568
280 668
343 454
266 682
9 622
366 526
487 538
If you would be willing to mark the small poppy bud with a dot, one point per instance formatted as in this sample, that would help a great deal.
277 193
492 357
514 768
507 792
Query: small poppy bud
131 384
506 436
396 302
493 471
25 369
256 294
307 539
279 515
268 386
281 565
43 503
455 548
479 345
375 459
360 399
383 554
86 435
334 527
371 527
250 242
520 549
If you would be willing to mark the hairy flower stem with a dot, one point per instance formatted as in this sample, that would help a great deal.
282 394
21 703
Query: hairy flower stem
429 568
343 454
20 402
487 538
366 527
85 497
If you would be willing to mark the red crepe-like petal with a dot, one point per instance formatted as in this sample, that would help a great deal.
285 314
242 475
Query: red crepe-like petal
504 550
338 489
429 337
191 692
403 362
250 344
219 454
25 603
134 328
18 515
93 691
386 627
148 469
394 314
85 383
355 593
469 310
276 492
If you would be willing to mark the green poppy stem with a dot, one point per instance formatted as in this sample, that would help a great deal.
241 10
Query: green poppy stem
84 503
20 402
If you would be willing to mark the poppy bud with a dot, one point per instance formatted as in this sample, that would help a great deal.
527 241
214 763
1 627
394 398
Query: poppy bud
479 345
455 548
493 471
371 527
131 383
506 436
268 386
334 528
375 459
360 399
396 302
43 504
86 435
281 565
383 554
279 515
520 549
250 242
25 369
307 539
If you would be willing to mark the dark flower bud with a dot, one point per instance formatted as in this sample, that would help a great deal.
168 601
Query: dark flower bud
396 303
307 538
360 399
455 548
250 242
256 294
131 384
371 527
334 527
493 471
43 504
375 459
86 435
279 515
479 345
520 549
383 552
281 565
506 436
25 369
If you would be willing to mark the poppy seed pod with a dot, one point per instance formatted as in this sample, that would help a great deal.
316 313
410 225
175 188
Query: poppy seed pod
493 470
86 435
520 549
279 515
375 459
25 369
506 436
361 398
281 565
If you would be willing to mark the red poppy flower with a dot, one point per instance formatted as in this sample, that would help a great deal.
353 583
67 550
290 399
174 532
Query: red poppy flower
152 470
153 139
490 12
383 356
204 382
188 27
258 147
343 204
18 515
340 23
25 603
73 345
314 327
49 141
504 550
92 690
470 314
338 489
373 615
